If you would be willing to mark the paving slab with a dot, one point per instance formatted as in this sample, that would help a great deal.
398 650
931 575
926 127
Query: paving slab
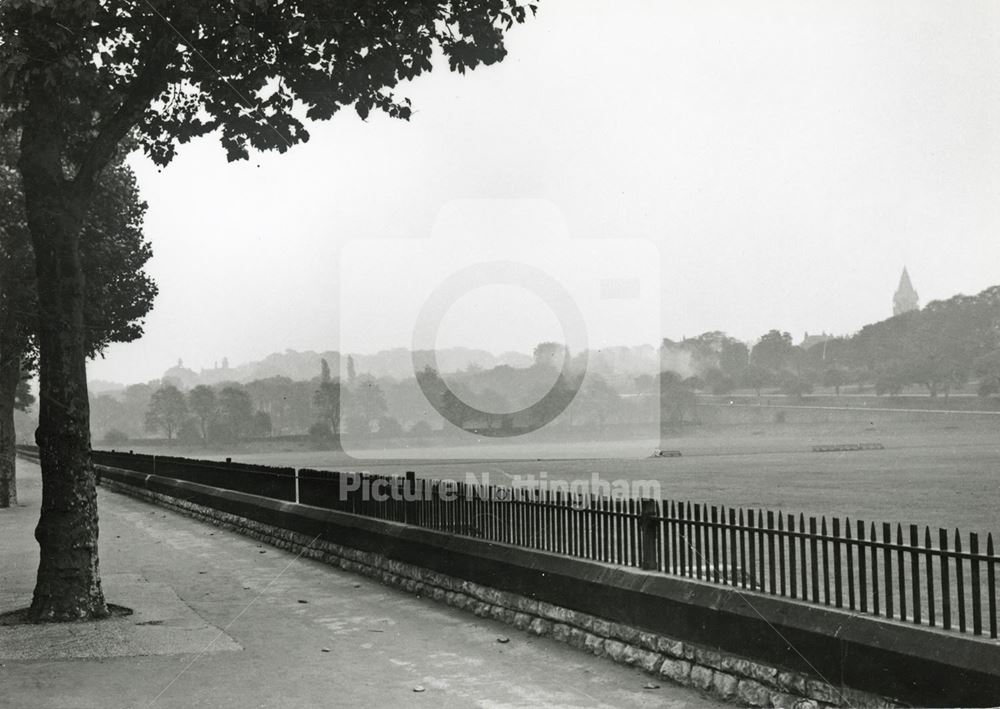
160 624
248 625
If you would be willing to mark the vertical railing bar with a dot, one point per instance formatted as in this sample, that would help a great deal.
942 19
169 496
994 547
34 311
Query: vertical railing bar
700 558
682 540
607 523
959 581
792 571
617 535
761 552
635 539
991 584
802 557
814 559
688 541
592 528
549 519
945 582
771 570
623 523
735 571
672 526
526 517
977 609
875 578
660 537
838 592
915 572
634 545
887 568
715 544
826 563
727 572
627 540
902 572
569 524
850 564
783 590
929 563
743 552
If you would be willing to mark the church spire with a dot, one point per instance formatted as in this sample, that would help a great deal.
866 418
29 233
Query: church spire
905 298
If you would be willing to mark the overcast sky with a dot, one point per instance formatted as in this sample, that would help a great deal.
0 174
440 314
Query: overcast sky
785 158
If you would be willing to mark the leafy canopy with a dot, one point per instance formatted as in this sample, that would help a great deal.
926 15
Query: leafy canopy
113 250
252 70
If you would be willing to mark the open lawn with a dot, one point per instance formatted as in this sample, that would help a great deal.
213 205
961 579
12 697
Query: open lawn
939 472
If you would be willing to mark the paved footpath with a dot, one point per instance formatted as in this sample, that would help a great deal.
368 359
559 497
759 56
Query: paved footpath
223 621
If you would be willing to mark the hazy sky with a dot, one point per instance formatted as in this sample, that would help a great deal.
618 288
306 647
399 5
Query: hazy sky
785 158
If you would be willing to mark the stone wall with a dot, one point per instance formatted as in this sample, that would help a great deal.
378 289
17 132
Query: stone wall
727 676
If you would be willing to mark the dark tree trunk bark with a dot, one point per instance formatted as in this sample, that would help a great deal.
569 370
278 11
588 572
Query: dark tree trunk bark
10 375
68 585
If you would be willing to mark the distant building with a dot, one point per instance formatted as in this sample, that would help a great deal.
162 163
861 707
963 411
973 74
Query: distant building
905 299
813 340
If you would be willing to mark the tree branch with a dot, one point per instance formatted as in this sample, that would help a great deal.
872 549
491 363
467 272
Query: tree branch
146 87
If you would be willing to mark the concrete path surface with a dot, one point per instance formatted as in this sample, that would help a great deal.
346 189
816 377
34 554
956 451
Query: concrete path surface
223 621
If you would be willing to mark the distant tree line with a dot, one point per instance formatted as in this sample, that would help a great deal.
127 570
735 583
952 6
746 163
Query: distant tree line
947 344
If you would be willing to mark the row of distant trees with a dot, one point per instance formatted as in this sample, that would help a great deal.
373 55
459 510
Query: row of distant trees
205 415
363 406
945 345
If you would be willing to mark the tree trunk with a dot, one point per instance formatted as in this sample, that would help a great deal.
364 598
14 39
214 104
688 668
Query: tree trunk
10 375
68 585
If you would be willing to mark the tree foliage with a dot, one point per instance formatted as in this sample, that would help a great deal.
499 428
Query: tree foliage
249 71
118 292
167 410
328 399
202 403
236 414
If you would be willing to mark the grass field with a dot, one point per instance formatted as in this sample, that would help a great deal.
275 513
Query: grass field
935 472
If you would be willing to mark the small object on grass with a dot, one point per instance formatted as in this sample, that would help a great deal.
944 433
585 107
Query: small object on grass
303 601
503 639
418 688
262 551
661 453
356 585
325 649
650 685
